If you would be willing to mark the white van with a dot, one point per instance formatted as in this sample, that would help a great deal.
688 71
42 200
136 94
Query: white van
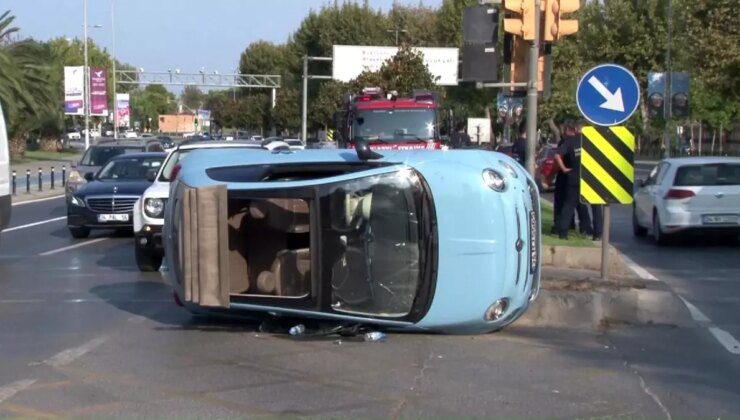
4 173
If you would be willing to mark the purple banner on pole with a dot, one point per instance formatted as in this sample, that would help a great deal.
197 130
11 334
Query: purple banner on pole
98 91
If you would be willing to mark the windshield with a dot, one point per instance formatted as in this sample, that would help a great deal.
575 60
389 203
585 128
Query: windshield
395 125
373 243
708 175
100 155
129 169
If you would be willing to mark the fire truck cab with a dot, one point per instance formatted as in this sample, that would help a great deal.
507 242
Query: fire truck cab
389 122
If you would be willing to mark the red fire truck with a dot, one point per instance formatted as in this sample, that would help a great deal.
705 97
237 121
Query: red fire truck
388 122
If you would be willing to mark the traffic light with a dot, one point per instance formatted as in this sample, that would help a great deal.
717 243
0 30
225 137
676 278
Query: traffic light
656 95
522 18
556 24
517 55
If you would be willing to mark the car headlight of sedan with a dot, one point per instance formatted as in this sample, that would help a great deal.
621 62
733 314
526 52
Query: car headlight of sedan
75 178
154 207
76 201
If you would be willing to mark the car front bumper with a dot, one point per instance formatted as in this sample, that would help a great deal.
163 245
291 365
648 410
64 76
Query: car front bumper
84 217
150 239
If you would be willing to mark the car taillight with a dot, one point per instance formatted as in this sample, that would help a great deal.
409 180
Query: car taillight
175 172
676 194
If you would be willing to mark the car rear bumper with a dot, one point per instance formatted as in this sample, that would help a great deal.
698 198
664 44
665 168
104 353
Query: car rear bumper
679 220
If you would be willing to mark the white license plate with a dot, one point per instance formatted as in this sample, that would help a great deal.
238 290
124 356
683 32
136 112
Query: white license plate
113 217
729 219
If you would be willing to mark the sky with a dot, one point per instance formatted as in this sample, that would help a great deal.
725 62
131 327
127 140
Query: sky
157 35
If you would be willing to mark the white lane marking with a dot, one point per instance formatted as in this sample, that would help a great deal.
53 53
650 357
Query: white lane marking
67 248
43 222
11 389
726 339
70 355
639 270
696 314
38 200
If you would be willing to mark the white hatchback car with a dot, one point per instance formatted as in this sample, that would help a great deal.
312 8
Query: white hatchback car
148 213
693 195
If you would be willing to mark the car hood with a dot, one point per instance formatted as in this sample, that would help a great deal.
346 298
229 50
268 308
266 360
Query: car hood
113 187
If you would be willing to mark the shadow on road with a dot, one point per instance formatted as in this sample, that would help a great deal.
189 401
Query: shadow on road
149 299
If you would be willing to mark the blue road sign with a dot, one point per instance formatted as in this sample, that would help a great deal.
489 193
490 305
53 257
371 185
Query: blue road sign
608 94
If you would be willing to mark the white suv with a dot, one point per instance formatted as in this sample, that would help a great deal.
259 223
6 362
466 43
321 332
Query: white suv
149 209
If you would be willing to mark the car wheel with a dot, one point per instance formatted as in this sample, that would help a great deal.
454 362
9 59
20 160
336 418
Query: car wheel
638 230
79 232
147 261
659 236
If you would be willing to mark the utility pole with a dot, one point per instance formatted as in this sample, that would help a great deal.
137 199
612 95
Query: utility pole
397 31
667 101
304 108
534 53
86 75
113 52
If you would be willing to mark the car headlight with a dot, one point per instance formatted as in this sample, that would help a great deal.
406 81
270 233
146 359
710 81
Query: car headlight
154 207
494 180
75 177
510 169
76 201
496 310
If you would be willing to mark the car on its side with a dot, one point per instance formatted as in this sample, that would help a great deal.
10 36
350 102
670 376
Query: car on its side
689 195
148 215
416 239
107 200
99 154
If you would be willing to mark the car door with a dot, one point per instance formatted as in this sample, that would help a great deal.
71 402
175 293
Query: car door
642 195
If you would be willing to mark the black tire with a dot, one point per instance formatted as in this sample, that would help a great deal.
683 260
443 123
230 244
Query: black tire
147 261
637 230
79 232
659 236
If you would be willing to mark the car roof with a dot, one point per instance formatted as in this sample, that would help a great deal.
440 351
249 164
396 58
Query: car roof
217 144
140 155
119 143
701 160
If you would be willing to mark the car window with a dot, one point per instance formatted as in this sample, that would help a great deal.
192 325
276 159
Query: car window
662 171
707 175
129 169
100 155
172 161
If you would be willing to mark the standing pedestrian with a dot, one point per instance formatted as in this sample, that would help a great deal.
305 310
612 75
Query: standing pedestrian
460 139
568 160
519 148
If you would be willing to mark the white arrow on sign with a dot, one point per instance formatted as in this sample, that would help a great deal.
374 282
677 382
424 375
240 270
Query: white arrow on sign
614 100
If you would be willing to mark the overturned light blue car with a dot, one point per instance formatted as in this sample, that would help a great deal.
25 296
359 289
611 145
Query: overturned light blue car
445 241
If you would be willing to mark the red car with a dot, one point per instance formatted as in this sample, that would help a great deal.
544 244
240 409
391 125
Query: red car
545 168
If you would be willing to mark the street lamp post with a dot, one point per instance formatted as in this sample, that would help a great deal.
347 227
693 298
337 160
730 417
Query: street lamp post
86 75
113 52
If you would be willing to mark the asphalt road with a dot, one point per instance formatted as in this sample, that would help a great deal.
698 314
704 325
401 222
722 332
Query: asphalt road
83 333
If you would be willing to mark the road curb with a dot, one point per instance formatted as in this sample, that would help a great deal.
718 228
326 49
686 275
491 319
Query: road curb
589 303
584 258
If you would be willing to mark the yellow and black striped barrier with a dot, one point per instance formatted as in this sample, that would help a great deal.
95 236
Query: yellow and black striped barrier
607 165
330 135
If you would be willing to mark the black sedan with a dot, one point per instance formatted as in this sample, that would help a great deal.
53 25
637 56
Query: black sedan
106 201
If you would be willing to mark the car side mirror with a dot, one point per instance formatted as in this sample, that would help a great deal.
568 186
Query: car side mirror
89 176
364 152
151 175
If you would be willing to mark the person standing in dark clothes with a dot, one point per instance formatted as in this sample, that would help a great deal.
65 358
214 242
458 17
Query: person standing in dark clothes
519 149
460 139
568 159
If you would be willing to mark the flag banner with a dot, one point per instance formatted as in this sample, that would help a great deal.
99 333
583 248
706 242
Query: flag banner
124 112
74 87
98 91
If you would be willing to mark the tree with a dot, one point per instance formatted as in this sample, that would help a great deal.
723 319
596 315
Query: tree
192 97
151 102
